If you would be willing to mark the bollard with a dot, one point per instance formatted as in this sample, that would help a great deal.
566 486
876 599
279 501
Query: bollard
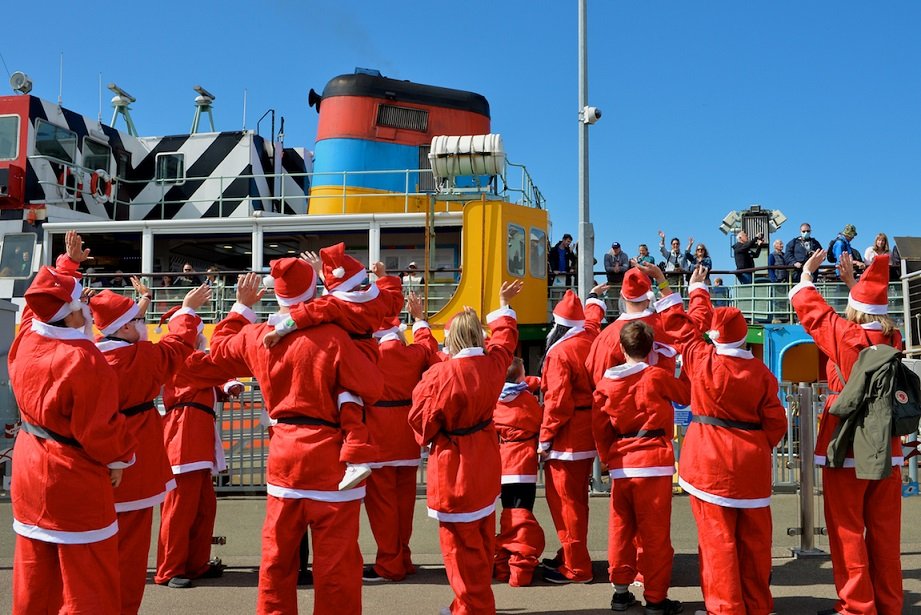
807 529
598 487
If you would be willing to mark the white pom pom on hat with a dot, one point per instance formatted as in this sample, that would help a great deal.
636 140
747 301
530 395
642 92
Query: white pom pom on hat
338 272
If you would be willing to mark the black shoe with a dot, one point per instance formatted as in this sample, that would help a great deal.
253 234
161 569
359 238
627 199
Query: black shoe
305 577
214 571
369 575
621 601
179 583
550 563
555 576
827 612
666 607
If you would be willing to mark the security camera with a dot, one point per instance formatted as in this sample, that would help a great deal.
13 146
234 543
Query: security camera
590 115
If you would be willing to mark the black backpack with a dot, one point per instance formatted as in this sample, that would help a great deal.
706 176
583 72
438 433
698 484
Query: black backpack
830 256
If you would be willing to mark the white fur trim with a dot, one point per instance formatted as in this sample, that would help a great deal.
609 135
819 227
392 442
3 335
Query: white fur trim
230 384
567 322
146 502
397 463
110 345
304 296
502 311
544 446
268 281
345 397
73 305
820 461
572 455
519 479
463 353
663 349
872 326
289 493
641 472
420 324
619 372
184 468
667 301
462 517
867 308
338 272
121 465
598 302
635 315
723 501
352 282
698 286
57 333
122 320
390 335
571 333
245 311
357 296
62 537
734 350
803 284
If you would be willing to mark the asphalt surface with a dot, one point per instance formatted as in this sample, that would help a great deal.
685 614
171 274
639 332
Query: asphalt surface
800 585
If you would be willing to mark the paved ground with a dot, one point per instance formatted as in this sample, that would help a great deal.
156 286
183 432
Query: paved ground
800 586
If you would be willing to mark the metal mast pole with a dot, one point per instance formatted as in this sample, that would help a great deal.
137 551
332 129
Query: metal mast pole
586 232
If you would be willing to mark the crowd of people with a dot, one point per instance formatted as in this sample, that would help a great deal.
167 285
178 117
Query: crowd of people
350 405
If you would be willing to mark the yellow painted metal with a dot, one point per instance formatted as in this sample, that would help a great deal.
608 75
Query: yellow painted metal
330 200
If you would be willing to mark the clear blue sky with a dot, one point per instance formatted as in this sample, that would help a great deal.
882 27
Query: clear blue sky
808 107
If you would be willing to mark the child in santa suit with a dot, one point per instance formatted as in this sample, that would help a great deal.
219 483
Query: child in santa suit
633 426
391 495
566 442
725 463
606 351
299 378
452 413
72 447
360 313
521 539
194 449
142 368
863 515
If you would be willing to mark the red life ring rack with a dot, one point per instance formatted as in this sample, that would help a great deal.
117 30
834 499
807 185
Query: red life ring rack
68 180
101 186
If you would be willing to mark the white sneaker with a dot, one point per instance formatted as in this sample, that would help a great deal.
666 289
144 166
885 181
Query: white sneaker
445 610
354 474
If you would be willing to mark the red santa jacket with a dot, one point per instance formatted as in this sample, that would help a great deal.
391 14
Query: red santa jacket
141 370
517 417
567 389
841 341
634 419
727 466
298 378
189 432
61 492
606 351
401 366
459 395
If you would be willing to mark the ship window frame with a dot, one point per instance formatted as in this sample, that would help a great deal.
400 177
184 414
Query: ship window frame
10 242
521 270
16 136
173 181
108 165
39 122
541 272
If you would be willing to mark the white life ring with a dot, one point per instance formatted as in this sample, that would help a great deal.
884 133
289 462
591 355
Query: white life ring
101 186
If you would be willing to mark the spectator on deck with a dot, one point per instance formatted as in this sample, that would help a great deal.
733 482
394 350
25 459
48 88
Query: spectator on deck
412 279
700 256
118 280
675 261
642 255
745 251
188 277
777 259
616 263
880 246
842 245
562 262
720 293
799 249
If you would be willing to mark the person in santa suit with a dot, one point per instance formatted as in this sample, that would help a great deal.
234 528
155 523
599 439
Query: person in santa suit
299 378
142 367
360 312
606 351
452 414
517 416
633 423
725 463
566 443
863 516
195 452
72 448
391 495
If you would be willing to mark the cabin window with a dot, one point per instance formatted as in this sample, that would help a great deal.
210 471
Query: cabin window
515 253
9 137
403 117
96 155
170 168
16 256
538 253
55 142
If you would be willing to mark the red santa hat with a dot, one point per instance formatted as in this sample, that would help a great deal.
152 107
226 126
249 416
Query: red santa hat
293 279
871 293
636 286
728 327
569 311
341 271
168 315
53 295
112 311
390 325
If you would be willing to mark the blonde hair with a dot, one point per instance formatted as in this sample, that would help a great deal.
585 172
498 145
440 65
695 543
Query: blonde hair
862 318
465 332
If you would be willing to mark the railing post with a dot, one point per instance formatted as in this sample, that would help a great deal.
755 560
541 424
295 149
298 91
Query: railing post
807 529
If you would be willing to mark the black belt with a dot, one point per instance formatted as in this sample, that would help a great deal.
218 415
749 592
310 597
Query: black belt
306 420
392 403
712 420
142 407
361 336
643 433
193 404
46 434
583 407
507 440
466 431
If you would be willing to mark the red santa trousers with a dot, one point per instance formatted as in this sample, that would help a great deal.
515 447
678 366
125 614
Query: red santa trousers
735 558
133 547
567 499
641 511
80 579
357 446
467 550
186 527
867 570
336 556
390 501
518 546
